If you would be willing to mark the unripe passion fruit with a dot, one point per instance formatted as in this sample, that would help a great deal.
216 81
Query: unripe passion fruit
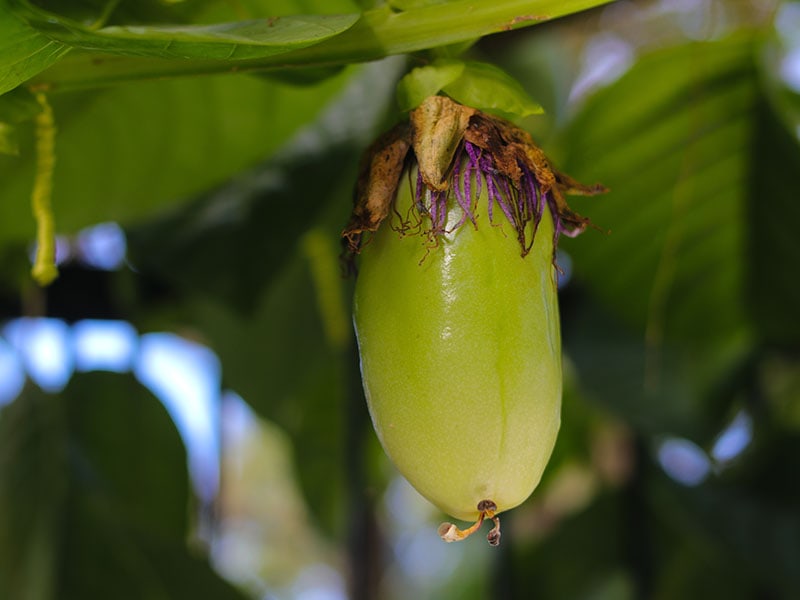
461 357
455 306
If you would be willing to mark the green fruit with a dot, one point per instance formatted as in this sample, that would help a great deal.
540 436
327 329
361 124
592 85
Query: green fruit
455 305
461 353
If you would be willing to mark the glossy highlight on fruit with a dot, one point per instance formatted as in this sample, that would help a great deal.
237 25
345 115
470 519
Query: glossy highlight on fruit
455 307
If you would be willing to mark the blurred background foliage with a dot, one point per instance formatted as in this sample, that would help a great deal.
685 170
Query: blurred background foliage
677 470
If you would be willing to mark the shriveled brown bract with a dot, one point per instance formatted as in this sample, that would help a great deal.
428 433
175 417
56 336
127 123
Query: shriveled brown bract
438 131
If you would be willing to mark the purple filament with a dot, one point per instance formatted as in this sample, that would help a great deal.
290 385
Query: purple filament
521 203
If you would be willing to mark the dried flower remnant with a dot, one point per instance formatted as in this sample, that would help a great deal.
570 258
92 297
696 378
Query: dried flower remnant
486 508
457 150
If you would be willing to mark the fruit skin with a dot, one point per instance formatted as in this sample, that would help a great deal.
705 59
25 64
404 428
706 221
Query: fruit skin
461 356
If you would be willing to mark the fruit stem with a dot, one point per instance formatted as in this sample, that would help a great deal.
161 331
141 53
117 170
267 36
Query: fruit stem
450 533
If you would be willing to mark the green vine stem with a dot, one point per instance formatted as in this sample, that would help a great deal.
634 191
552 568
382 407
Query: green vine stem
44 267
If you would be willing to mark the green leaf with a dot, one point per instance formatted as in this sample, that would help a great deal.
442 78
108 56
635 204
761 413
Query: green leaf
780 381
225 41
182 574
671 139
105 560
488 88
128 453
34 481
8 140
427 81
198 134
378 33
94 497
475 84
682 389
18 106
773 213
218 12
546 67
24 52
412 4
229 243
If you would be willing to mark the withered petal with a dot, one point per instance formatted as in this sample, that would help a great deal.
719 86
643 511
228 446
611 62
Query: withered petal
438 130
378 178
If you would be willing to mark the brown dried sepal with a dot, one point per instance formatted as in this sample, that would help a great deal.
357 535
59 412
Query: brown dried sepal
378 178
438 126
510 145
437 129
